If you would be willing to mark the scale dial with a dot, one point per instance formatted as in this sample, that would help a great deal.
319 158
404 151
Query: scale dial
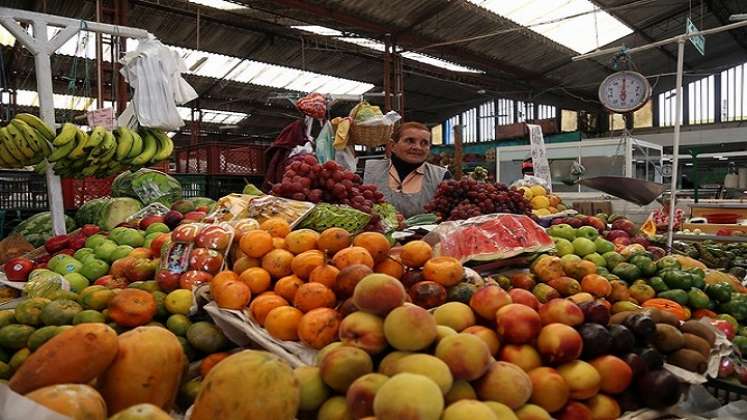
624 91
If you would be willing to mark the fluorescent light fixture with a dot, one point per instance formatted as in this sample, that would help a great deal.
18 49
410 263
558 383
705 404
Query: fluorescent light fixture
213 116
688 164
581 33
379 46
219 4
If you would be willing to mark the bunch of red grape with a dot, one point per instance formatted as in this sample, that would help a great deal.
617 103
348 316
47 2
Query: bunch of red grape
457 200
306 180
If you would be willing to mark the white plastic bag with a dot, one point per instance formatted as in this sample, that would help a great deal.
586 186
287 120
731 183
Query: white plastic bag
346 158
155 72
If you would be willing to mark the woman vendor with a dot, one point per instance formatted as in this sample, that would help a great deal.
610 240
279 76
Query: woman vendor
407 181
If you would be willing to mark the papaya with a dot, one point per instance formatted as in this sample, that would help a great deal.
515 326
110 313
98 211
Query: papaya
147 369
141 412
76 355
60 312
77 401
29 311
274 389
15 336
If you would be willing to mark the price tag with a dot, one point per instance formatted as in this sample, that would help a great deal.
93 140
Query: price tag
101 118
539 154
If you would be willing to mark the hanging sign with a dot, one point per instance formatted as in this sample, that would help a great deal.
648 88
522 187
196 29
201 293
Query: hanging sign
539 154
101 118
698 41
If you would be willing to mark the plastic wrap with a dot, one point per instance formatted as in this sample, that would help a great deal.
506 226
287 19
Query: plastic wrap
148 186
489 237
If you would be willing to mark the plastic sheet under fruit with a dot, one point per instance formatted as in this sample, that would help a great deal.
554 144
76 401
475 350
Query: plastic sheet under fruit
241 328
489 237
697 404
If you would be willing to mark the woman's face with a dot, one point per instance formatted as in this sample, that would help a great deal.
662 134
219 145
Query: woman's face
413 146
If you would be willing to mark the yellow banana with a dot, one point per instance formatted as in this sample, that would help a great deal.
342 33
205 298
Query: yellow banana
125 142
81 139
95 138
137 145
11 146
61 151
166 146
38 143
37 124
67 134
20 140
149 150
7 160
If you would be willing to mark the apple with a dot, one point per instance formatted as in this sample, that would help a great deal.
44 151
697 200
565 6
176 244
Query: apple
597 259
111 282
563 246
207 260
193 277
587 232
726 368
172 219
77 241
625 225
213 237
596 223
616 233
642 240
185 233
741 372
57 243
603 246
612 259
157 243
141 269
195 215
621 241
562 230
18 269
149 220
89 230
167 280
726 327
656 252
574 222
583 246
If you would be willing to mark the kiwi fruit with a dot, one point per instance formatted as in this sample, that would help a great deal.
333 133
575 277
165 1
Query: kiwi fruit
693 342
668 318
699 329
654 313
620 317
668 338
688 359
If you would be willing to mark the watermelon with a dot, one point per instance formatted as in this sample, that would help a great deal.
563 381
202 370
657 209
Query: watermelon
116 211
38 228
88 213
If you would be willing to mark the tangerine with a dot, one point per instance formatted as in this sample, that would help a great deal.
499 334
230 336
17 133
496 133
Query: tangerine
256 243
301 240
319 327
278 263
325 274
416 253
262 305
257 278
244 263
391 267
332 240
231 294
278 227
375 243
312 296
282 323
353 255
287 287
303 264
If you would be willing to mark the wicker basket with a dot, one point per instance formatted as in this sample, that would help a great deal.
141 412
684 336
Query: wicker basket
371 135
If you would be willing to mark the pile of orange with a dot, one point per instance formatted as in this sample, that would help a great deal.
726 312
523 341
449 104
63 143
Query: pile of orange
292 281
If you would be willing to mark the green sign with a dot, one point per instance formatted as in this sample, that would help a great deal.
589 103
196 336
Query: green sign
698 41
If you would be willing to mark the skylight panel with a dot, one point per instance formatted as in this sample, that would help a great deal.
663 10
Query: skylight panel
213 116
582 34
219 4
379 46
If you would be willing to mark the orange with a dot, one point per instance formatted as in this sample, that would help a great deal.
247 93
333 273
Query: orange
319 327
244 263
312 296
231 294
278 227
288 286
224 276
301 240
351 256
415 253
262 305
278 263
256 243
279 243
375 243
303 264
333 240
390 266
325 274
447 271
282 323
257 278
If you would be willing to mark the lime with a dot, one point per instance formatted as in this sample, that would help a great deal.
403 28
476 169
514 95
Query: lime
87 316
178 324
179 301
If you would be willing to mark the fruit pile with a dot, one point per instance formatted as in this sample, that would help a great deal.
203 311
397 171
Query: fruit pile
458 200
102 153
543 202
25 141
305 179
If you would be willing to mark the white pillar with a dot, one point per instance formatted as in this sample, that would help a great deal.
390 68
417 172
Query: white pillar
676 143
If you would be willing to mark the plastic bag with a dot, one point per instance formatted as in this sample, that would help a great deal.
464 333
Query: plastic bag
390 118
155 73
324 144
299 150
148 186
530 180
346 158
313 105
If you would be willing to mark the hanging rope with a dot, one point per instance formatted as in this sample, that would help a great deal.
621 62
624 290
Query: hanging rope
81 44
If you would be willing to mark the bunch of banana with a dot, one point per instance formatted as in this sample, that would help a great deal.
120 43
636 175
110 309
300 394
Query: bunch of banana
25 141
102 153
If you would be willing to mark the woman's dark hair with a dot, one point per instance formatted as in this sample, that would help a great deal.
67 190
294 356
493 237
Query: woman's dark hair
404 126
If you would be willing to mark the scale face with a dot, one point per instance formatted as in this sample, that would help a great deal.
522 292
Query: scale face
624 91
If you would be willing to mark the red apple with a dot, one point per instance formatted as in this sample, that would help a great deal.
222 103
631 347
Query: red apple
193 277
149 220
206 260
78 241
18 269
213 237
616 233
723 232
203 209
172 219
622 241
185 233
67 251
120 266
142 253
596 223
195 215
56 243
626 225
167 280
741 372
725 327
89 230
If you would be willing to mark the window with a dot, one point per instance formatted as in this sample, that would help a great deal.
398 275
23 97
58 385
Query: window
524 111
644 117
437 134
617 122
733 94
487 121
701 107
505 113
545 112
449 129
469 126
667 104
568 120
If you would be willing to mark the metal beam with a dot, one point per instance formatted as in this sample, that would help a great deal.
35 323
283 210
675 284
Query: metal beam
722 13
427 14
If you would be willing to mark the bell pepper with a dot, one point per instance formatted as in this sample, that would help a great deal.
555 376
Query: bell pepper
668 262
677 295
677 279
736 306
658 284
720 292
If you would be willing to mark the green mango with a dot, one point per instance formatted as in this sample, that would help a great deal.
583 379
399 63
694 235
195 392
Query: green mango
697 298
677 295
658 284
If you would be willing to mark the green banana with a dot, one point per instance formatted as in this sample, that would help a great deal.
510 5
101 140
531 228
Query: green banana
95 138
137 145
89 170
61 151
67 134
20 140
11 147
41 167
37 124
124 142
149 150
81 139
107 144
166 146
7 159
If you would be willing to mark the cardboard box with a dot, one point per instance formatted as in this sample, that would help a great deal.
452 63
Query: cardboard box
591 208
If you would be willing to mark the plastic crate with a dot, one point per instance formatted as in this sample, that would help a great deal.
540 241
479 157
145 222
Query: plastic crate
221 159
23 190
75 192
726 391
192 185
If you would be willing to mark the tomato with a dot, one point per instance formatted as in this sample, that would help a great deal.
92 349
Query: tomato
213 237
167 280
185 233
156 245
194 277
206 260
56 243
